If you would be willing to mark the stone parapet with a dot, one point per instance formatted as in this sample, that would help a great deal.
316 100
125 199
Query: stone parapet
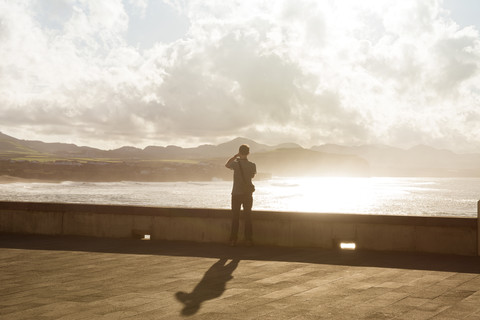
446 235
478 228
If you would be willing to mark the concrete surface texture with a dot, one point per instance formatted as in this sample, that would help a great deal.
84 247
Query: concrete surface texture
446 235
46 277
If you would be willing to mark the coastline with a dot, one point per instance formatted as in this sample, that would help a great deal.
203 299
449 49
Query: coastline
6 179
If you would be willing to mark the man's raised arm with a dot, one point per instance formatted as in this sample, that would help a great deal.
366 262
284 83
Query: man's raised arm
230 161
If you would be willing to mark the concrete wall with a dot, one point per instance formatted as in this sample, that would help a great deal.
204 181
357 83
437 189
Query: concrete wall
371 232
478 228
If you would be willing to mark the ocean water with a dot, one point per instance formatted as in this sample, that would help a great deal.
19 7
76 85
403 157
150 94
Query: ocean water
391 196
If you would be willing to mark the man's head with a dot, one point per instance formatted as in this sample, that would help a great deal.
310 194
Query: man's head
244 150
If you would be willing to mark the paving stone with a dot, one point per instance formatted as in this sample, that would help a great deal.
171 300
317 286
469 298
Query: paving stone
392 311
417 315
412 302
85 278
386 299
431 292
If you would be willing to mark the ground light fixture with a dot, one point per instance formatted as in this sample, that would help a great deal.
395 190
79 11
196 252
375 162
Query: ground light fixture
347 245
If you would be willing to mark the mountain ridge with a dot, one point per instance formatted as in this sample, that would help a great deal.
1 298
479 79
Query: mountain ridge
375 160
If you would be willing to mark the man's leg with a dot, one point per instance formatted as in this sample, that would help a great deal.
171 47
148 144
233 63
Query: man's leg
247 208
236 203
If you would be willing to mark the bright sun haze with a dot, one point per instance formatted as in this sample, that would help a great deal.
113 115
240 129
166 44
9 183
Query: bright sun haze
112 73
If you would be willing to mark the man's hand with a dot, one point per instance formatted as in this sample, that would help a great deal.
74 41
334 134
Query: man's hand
229 162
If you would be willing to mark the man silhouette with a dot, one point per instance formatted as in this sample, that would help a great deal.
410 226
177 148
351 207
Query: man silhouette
243 172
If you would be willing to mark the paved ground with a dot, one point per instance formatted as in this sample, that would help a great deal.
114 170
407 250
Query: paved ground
86 278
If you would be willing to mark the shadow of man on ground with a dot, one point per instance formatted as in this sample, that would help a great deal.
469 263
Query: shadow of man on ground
210 287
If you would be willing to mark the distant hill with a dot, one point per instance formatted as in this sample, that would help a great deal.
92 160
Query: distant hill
211 151
303 162
11 147
420 160
283 159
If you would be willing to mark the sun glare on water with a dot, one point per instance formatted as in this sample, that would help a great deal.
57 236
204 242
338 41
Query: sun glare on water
334 194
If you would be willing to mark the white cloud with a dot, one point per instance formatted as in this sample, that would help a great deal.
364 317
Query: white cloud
310 72
140 6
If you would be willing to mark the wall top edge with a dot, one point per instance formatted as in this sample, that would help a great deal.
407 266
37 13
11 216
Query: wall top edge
221 213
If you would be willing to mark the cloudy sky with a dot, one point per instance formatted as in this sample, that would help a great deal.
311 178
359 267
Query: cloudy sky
156 72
